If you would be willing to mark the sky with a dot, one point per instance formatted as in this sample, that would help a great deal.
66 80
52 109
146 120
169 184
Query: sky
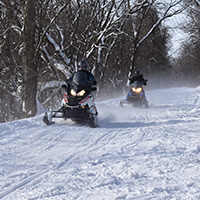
135 153
175 27
177 35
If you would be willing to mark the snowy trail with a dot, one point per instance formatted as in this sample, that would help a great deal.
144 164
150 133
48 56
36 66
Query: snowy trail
136 153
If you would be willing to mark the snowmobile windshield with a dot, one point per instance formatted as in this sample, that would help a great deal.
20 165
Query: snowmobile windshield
80 79
137 84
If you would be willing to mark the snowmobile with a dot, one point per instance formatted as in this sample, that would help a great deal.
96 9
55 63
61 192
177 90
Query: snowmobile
136 96
77 103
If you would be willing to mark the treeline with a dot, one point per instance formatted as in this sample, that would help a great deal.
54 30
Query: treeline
41 42
187 65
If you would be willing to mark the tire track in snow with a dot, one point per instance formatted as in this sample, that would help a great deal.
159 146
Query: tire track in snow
29 179
84 150
20 184
80 152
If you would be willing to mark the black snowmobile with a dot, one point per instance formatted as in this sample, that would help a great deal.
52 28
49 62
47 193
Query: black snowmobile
77 103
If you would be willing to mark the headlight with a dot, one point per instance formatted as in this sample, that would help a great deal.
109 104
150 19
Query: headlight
81 93
73 93
137 90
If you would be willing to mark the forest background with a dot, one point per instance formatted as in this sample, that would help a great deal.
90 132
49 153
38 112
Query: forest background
42 41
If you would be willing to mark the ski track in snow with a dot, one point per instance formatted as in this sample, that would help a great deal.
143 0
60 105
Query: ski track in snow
136 153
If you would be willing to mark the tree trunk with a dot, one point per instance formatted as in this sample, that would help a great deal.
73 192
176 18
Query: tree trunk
29 106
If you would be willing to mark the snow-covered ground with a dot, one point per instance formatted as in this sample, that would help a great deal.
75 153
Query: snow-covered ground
135 153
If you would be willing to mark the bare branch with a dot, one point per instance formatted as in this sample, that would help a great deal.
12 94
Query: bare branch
52 20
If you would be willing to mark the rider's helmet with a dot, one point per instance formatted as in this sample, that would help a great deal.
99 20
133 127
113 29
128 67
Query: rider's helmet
137 73
82 65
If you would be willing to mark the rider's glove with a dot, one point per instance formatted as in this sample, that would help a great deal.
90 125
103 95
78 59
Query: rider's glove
64 87
145 82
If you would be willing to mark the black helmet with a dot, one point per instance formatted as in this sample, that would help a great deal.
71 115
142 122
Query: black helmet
82 65
137 73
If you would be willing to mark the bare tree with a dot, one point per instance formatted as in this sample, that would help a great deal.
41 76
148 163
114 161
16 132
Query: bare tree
10 62
29 60
187 64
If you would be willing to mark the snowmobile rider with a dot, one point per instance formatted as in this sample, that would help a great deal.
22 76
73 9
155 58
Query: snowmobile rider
82 66
138 77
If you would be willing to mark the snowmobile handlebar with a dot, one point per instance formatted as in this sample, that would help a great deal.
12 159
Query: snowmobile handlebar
93 89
